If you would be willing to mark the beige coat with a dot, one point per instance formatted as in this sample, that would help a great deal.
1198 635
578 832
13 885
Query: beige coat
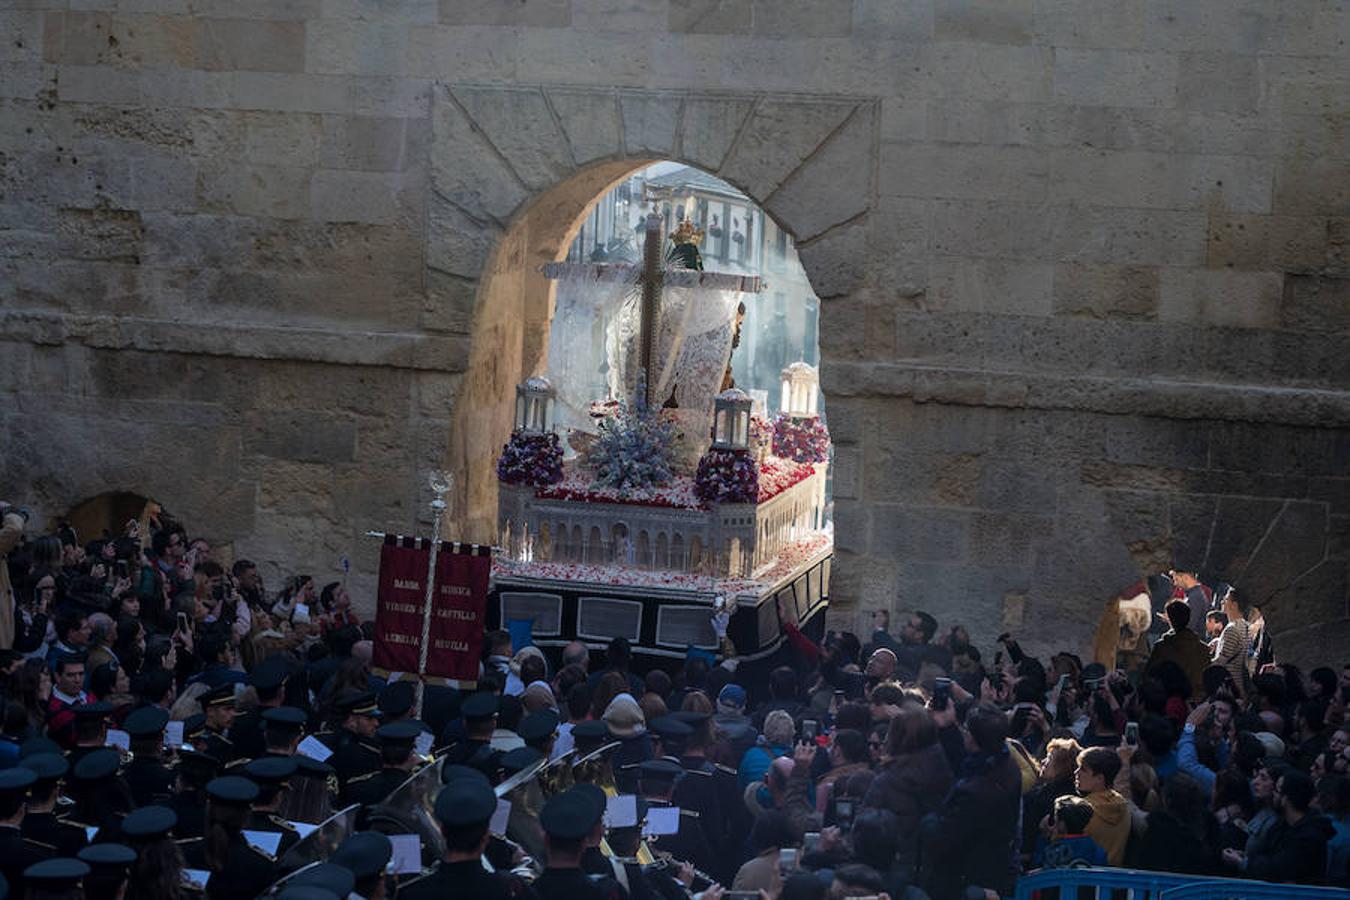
10 531
760 873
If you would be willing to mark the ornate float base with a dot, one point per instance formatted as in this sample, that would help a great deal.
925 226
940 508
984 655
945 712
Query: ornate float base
663 614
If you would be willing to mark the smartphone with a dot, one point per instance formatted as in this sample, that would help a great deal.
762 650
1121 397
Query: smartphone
1132 734
183 622
942 692
810 728
843 814
787 859
810 841
121 568
1063 681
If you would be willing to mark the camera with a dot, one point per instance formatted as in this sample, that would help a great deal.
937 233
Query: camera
1095 684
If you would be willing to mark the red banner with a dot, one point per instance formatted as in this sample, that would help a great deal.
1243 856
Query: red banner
398 612
462 572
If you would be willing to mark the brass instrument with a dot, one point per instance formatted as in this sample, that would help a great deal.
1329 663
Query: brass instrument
557 776
411 809
526 794
595 768
321 842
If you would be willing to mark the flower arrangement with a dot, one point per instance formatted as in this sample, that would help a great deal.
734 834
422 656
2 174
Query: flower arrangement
727 476
577 486
801 440
531 457
777 475
634 448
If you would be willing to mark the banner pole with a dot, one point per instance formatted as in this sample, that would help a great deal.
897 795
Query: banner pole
440 486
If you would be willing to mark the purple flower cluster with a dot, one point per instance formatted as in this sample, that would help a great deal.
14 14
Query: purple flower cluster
532 458
801 440
727 476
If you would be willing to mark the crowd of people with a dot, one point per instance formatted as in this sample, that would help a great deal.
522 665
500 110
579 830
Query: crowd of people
171 728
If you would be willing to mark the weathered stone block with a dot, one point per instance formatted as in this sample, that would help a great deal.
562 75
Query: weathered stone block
1310 27
888 20
834 185
367 143
379 198
985 21
289 93
301 436
1115 24
1116 292
833 261
676 61
933 535
274 139
23 31
710 127
462 54
710 16
1114 77
1227 298
964 172
1311 187
1253 447
650 122
520 127
238 44
1218 81
590 120
628 16
989 72
1266 242
1164 181
415 12
27 80
546 56
793 18
1316 303
456 244
992 286
279 191
1130 236
1007 542
781 134
345 47
531 13
474 176
980 122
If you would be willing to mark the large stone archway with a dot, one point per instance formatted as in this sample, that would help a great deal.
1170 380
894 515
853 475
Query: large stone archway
514 170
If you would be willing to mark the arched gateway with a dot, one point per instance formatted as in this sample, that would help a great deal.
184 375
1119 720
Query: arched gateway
515 170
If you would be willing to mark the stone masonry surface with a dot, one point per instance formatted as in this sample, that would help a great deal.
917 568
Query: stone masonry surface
1084 264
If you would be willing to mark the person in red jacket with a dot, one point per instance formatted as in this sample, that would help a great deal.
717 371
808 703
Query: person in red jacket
67 693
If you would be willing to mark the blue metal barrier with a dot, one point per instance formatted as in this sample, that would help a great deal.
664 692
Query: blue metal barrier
1235 889
1141 885
1132 884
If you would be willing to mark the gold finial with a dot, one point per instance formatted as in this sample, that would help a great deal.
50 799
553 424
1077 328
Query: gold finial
687 233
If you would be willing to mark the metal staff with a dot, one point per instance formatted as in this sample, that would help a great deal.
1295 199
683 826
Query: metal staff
440 486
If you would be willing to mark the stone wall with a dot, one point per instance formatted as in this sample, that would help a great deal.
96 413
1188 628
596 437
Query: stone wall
1084 265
